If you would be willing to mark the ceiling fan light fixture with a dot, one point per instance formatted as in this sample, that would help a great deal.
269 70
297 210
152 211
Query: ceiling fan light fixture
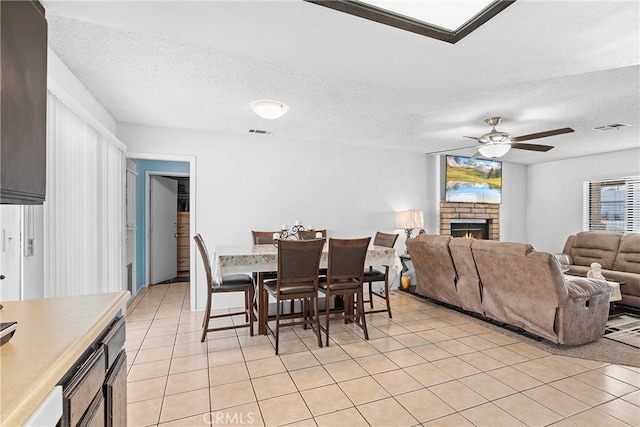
496 137
494 150
268 109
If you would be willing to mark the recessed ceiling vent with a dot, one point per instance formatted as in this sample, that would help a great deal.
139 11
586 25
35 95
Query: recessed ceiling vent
261 132
611 127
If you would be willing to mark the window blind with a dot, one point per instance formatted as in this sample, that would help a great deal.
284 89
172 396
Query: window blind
612 204
84 209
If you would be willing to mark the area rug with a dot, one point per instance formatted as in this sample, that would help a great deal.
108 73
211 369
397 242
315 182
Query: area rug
625 329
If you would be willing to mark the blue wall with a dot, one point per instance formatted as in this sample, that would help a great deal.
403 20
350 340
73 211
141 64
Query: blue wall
142 166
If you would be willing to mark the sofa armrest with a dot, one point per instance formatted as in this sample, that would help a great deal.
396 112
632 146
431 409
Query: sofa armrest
568 246
563 259
581 287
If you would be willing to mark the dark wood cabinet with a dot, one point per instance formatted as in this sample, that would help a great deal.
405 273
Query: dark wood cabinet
23 102
95 390
79 393
94 416
115 393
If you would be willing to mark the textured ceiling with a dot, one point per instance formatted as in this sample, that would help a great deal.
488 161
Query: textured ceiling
198 65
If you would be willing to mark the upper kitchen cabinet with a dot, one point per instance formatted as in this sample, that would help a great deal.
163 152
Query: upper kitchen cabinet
23 102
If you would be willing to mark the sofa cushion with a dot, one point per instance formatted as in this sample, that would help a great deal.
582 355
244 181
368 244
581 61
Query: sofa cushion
628 257
595 246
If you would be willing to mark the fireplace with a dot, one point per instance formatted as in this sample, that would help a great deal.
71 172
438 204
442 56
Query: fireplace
454 216
470 228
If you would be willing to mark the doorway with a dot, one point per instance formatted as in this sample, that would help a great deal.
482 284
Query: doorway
168 228
164 165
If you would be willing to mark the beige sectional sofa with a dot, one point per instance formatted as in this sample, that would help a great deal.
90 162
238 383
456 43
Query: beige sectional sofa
511 283
617 253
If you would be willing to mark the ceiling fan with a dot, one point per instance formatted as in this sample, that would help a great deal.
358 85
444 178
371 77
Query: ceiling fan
497 143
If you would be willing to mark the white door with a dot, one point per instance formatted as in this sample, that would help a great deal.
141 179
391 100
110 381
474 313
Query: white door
163 216
10 256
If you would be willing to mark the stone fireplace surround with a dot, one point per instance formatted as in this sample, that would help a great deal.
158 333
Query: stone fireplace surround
457 211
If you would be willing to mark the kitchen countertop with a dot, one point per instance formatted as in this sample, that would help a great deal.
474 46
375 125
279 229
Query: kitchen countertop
52 334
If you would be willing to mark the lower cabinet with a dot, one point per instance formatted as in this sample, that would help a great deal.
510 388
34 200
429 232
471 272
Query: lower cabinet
83 387
95 390
115 393
94 417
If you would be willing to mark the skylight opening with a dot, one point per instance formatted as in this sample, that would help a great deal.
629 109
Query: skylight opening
449 14
449 21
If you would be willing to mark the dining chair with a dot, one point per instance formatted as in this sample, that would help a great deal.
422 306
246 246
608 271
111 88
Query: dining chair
297 279
263 237
229 283
345 279
311 234
372 275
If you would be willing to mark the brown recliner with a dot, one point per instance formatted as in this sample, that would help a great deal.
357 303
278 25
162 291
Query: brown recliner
435 271
513 284
527 289
617 253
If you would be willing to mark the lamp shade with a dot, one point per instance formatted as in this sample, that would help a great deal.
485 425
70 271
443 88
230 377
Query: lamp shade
409 220
493 150
268 109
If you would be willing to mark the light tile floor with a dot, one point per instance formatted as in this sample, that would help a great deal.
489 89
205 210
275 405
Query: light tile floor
428 366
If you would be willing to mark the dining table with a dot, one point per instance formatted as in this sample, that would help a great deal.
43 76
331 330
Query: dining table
264 258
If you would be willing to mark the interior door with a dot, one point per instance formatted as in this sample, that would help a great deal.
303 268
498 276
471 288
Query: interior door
10 255
163 216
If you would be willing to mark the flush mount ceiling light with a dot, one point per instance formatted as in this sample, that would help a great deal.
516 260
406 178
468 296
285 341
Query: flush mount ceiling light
269 109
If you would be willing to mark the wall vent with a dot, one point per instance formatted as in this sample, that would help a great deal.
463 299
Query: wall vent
261 132
611 127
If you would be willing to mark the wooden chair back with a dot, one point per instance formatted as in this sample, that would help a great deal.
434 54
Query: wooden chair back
204 253
385 239
263 237
346 258
299 261
311 234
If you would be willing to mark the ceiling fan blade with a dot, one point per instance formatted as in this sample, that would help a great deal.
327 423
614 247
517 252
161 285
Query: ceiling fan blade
541 134
476 155
472 137
531 147
450 149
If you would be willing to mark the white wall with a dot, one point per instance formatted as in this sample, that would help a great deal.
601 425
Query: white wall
513 210
554 194
258 182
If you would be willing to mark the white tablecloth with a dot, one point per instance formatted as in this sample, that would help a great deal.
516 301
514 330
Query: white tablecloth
256 258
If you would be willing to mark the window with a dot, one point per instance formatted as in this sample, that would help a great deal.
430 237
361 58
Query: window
612 205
